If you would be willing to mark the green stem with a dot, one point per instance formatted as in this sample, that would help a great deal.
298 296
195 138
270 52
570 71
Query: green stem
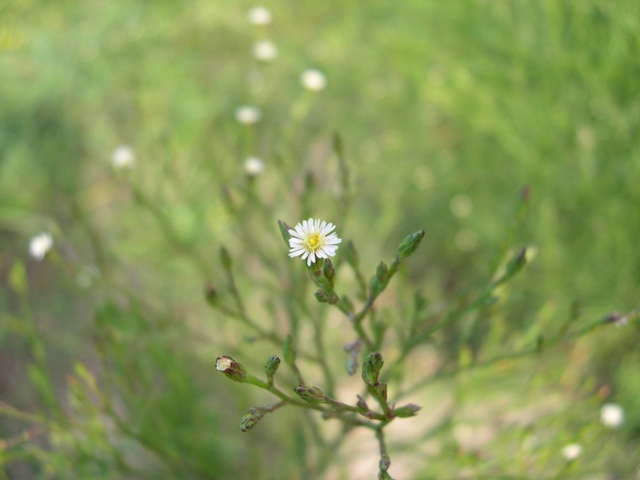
300 403
504 357
385 461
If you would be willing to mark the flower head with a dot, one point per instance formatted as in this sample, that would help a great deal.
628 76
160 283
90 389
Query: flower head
259 16
264 50
313 80
612 415
253 166
40 245
123 157
313 239
571 451
232 369
248 115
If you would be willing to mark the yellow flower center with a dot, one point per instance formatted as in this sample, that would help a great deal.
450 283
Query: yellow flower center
312 242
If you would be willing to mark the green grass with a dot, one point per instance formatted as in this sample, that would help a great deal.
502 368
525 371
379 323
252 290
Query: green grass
434 101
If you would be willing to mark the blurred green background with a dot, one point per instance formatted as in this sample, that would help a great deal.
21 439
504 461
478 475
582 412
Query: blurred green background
447 110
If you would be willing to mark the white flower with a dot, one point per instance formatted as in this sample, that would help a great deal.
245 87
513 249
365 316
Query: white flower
612 415
313 239
571 452
40 245
313 80
264 50
253 166
247 115
123 157
259 16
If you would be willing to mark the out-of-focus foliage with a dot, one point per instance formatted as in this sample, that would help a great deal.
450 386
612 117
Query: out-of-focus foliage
446 111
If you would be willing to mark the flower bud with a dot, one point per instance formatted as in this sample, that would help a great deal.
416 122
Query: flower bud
519 261
382 272
362 406
406 411
351 364
353 349
311 395
284 231
346 301
380 280
324 297
371 368
328 271
410 244
273 362
248 421
225 258
376 286
233 370
351 255
211 295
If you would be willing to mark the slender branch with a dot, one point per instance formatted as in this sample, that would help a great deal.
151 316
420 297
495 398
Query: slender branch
385 461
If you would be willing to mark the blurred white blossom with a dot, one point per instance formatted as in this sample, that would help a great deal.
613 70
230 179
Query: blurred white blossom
571 451
40 245
248 115
313 80
259 16
253 166
612 415
264 50
123 157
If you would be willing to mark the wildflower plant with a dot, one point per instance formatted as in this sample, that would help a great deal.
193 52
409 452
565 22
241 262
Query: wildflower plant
375 352
314 241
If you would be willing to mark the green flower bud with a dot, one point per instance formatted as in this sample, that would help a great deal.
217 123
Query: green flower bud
380 280
376 286
353 349
382 272
312 395
406 411
284 231
378 390
273 362
362 406
328 271
248 421
371 368
324 297
410 244
346 301
351 255
211 295
233 370
225 258
351 364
